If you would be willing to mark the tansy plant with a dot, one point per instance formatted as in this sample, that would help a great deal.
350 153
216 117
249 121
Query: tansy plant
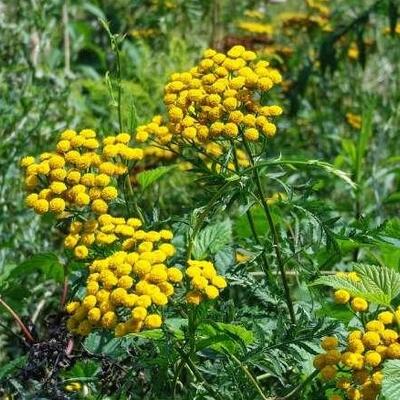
125 290
219 117
220 120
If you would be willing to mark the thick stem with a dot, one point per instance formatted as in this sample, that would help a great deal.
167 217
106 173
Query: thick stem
274 233
18 320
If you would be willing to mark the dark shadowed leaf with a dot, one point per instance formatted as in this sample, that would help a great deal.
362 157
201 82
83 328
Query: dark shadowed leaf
47 263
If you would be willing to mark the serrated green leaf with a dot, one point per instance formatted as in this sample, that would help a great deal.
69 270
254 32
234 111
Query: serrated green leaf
82 369
212 239
147 178
391 380
223 337
379 278
224 259
377 284
47 263
336 311
238 330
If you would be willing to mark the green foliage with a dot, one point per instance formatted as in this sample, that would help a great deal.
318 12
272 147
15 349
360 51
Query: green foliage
211 239
47 263
11 367
391 380
147 178
377 284
224 337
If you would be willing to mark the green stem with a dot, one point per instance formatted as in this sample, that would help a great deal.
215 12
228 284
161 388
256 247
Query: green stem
301 386
132 197
65 288
193 369
177 375
18 320
274 232
251 223
250 376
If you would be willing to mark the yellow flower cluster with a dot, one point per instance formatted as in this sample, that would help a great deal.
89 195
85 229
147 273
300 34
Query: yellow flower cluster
73 387
143 33
354 120
319 6
157 153
216 102
360 361
204 281
277 197
342 296
107 230
305 20
256 14
78 174
125 290
279 50
356 368
386 31
253 27
353 52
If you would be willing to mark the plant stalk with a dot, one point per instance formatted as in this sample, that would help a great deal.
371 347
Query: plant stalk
18 320
266 268
274 232
250 376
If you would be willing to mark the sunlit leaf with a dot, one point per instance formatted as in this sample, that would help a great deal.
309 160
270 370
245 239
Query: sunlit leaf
147 178
377 284
212 239
391 380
